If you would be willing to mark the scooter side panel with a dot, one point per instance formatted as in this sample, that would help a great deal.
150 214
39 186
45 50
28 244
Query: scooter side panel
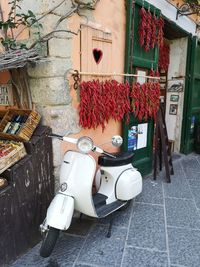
78 172
109 180
60 211
129 185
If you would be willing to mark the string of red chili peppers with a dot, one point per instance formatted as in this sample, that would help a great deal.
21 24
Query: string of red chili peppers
163 62
101 101
150 30
146 99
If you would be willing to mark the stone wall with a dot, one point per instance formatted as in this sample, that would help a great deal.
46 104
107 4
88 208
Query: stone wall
48 81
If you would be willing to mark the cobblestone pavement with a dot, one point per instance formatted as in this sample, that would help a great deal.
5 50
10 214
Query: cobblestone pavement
161 228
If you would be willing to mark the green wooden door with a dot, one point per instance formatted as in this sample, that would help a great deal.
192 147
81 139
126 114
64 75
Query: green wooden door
136 57
191 114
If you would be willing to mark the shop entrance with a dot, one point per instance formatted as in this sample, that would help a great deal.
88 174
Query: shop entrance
179 82
180 87
172 68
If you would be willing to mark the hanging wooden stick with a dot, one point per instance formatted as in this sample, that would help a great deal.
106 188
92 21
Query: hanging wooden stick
115 74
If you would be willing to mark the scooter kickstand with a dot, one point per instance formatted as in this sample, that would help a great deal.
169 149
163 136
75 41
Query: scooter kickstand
110 226
80 217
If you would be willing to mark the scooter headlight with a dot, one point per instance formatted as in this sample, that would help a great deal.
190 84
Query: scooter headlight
85 144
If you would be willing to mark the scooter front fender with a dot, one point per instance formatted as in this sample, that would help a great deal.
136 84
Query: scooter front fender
60 212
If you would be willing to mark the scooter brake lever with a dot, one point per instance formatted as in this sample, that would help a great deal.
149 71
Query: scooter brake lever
110 155
56 136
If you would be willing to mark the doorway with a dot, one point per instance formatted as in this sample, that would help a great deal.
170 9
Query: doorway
173 80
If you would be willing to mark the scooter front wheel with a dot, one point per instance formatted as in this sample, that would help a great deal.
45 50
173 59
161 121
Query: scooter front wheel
49 242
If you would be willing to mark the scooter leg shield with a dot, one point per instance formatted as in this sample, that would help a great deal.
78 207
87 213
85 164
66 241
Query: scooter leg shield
60 212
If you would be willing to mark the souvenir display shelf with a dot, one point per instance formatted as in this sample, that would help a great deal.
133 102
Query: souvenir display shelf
26 127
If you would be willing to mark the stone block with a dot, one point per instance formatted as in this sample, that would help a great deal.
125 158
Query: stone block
52 67
87 2
40 7
60 47
62 119
50 91
48 23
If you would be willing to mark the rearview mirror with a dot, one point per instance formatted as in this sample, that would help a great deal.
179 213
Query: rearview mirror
117 140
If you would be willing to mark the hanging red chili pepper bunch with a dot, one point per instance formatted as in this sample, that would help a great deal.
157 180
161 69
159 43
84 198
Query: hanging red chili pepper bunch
100 101
150 30
160 25
153 31
135 97
154 73
145 100
154 98
117 95
91 107
163 62
142 26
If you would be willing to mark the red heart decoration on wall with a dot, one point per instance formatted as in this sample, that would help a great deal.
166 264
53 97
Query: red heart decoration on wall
97 54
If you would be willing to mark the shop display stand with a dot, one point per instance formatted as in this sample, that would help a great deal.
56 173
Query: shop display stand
162 147
23 203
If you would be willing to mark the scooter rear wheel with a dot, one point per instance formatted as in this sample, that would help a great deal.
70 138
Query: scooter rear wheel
49 242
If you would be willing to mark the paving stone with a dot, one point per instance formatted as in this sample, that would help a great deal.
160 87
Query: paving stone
151 192
87 265
184 247
144 258
196 193
177 188
182 213
193 177
64 254
190 163
103 251
177 166
147 229
120 218
80 227
85 244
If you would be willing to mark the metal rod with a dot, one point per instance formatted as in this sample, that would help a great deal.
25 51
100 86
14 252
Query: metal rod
114 74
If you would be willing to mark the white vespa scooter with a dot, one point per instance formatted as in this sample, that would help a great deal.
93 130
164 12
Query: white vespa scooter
119 183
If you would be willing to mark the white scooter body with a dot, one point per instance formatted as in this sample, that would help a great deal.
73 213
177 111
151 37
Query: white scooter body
77 173
118 183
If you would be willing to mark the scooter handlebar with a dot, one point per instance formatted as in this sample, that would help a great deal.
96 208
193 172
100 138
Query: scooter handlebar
64 138
99 150
74 141
56 136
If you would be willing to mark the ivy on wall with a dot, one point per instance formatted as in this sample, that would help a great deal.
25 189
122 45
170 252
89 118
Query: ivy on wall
17 53
21 21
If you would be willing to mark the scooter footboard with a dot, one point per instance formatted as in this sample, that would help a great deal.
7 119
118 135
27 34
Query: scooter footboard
60 212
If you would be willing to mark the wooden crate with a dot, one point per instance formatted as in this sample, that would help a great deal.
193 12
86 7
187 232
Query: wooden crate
27 129
15 155
2 114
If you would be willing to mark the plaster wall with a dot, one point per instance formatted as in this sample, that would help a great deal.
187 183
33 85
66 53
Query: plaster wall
109 16
52 89
177 70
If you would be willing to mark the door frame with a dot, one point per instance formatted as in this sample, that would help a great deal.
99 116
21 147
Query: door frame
186 140
143 157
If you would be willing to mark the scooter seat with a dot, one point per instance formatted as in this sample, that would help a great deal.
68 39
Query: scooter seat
121 159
